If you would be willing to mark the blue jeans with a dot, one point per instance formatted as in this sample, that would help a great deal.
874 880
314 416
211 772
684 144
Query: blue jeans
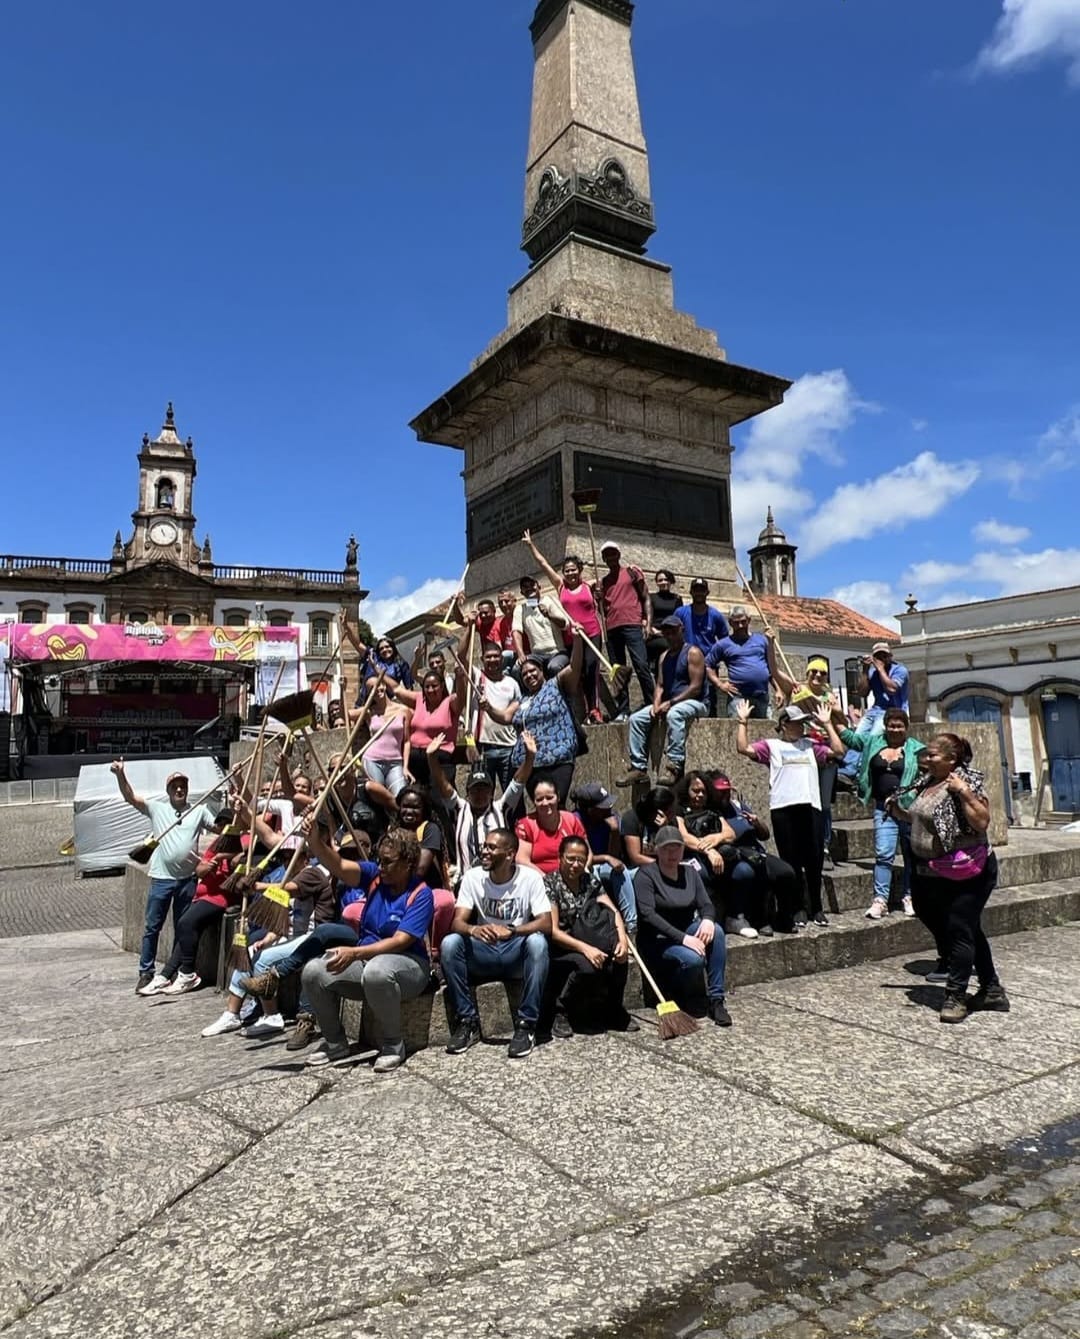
498 762
388 773
888 834
274 956
180 893
678 722
760 704
630 641
524 958
682 968
621 888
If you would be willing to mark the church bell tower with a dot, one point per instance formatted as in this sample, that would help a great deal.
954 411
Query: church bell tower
164 520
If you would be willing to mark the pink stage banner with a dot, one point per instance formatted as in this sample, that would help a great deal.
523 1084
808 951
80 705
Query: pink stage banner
145 641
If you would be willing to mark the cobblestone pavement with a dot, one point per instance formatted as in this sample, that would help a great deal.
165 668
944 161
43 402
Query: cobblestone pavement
39 891
990 1258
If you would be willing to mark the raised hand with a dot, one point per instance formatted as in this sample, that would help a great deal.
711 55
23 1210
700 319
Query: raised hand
117 767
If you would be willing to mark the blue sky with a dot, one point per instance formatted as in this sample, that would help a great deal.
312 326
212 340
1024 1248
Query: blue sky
300 223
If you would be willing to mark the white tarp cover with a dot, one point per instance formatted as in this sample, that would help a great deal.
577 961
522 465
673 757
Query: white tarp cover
107 828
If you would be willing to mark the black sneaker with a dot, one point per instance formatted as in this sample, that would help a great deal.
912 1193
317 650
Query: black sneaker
821 919
144 980
954 1008
765 931
800 920
938 975
719 1014
828 863
623 1021
561 1028
991 999
466 1034
522 1042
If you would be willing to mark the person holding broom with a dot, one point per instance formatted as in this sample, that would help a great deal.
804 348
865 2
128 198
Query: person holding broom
677 936
175 858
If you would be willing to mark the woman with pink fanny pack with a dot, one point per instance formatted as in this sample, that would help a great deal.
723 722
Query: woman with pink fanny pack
955 873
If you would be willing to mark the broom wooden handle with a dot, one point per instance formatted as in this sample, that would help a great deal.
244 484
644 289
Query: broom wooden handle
596 577
644 970
765 622
342 812
258 754
204 797
469 733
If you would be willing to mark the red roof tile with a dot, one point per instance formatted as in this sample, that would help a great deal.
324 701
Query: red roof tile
822 618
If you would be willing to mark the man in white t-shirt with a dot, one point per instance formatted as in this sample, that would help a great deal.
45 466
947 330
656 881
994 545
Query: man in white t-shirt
502 923
172 865
537 629
496 741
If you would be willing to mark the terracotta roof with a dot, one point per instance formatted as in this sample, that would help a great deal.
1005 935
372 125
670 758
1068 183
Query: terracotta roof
823 618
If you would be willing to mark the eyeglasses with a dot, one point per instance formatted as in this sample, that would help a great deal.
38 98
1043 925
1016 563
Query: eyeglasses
491 849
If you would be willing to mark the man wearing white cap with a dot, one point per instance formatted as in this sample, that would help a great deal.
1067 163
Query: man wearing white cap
173 863
625 597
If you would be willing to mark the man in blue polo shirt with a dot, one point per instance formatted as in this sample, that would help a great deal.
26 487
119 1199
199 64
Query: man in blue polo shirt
703 627
885 681
751 666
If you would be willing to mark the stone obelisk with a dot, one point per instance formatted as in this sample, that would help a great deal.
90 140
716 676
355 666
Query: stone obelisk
598 380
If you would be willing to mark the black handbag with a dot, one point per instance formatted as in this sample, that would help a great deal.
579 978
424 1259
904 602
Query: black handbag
595 926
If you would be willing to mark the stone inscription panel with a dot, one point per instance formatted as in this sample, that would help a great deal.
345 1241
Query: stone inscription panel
648 497
529 502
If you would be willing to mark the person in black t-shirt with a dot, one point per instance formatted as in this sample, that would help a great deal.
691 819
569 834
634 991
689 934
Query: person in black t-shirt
663 602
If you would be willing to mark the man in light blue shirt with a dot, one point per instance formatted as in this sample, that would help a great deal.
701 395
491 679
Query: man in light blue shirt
885 681
172 865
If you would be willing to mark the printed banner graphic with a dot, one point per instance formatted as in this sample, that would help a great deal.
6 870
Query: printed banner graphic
146 641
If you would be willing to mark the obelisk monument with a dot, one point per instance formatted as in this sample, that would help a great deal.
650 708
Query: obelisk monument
598 380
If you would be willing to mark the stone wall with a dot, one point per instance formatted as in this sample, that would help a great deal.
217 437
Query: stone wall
711 743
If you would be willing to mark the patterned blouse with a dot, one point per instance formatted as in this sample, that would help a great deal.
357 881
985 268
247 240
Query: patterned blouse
569 902
549 719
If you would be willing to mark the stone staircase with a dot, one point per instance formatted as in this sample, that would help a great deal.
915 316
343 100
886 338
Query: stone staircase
1039 885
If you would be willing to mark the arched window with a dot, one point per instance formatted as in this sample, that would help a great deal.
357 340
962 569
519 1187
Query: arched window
31 613
180 620
166 494
136 616
236 618
79 614
279 618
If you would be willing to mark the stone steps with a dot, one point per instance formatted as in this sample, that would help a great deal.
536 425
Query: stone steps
851 886
848 940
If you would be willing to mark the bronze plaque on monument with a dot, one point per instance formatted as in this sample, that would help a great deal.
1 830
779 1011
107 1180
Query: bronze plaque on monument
531 501
647 497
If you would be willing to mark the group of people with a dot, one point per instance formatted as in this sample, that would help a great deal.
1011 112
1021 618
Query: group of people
398 878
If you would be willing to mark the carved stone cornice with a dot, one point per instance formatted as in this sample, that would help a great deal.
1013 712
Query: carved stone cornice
603 206
547 11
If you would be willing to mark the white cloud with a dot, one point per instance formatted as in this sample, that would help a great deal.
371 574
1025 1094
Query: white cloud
998 532
1010 573
1065 432
1031 30
876 599
1053 452
933 573
779 444
920 424
386 612
397 585
911 492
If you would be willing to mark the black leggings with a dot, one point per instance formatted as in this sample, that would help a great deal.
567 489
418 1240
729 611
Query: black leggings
798 831
573 981
188 930
955 910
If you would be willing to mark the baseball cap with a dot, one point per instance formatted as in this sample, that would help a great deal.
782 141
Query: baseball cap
880 646
175 776
794 713
668 836
592 795
699 583
477 778
721 782
609 544
672 621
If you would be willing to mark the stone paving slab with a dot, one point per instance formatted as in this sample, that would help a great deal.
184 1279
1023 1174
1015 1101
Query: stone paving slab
626 1265
964 1128
889 1000
72 1192
908 1078
631 1137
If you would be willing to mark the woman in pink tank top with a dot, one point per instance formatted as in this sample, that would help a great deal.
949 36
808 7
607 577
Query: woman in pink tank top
577 599
434 712
384 761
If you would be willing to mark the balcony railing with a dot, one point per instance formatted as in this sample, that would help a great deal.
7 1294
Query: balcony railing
313 575
81 566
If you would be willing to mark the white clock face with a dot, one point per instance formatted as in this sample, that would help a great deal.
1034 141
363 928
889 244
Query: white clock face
163 533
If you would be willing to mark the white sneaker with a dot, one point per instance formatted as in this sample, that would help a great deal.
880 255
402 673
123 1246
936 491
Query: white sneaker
908 907
876 910
184 982
250 1004
390 1057
272 1025
226 1023
748 932
156 986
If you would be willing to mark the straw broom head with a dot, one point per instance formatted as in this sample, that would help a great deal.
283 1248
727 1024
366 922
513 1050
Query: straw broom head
673 1021
295 712
239 958
270 910
141 854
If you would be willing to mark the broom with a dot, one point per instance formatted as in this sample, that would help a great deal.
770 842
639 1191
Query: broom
459 594
295 712
270 908
765 623
142 853
673 1022
470 734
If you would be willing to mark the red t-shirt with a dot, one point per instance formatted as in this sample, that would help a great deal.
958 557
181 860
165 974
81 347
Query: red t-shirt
209 887
504 632
545 845
622 603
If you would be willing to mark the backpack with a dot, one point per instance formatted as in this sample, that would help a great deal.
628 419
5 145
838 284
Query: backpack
595 925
